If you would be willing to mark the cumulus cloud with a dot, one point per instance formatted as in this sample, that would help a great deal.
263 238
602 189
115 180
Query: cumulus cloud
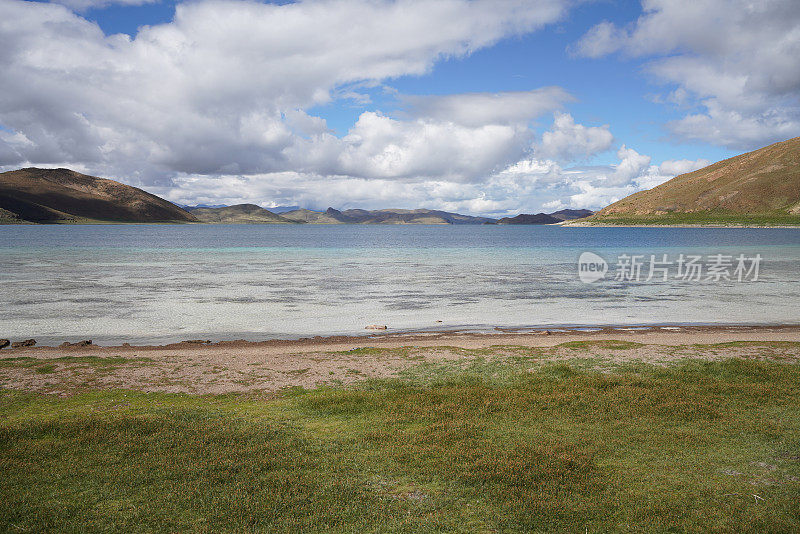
378 146
630 166
568 141
736 59
526 186
222 89
213 108
539 185
461 138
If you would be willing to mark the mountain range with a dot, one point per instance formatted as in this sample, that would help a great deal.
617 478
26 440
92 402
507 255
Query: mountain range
385 216
239 214
63 196
761 187
252 214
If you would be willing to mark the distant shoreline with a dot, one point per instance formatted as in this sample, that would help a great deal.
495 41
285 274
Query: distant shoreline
567 224
586 224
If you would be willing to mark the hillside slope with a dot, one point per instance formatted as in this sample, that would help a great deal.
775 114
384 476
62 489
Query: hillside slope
309 216
239 214
759 186
63 196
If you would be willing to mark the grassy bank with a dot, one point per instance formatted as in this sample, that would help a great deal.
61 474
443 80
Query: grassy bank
694 447
714 218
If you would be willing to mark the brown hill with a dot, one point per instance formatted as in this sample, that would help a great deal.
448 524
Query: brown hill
763 184
571 215
309 216
526 218
63 196
240 214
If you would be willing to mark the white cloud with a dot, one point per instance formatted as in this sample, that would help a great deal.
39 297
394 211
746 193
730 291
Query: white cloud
527 186
736 59
631 165
223 88
378 146
85 5
674 167
554 205
460 138
545 185
568 141
601 40
478 109
213 108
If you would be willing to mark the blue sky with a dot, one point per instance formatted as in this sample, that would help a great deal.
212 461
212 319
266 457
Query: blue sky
480 107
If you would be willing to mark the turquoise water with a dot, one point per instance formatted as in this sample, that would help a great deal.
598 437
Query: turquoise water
159 283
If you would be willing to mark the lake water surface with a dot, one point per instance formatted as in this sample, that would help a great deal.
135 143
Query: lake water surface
160 283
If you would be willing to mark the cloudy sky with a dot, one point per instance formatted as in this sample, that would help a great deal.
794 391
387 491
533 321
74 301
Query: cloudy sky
477 106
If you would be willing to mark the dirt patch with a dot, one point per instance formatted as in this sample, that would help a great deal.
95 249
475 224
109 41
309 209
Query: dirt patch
241 367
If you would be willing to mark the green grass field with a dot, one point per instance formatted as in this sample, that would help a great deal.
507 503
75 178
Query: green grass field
720 218
696 447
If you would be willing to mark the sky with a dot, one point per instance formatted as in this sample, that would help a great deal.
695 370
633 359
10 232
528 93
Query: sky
483 107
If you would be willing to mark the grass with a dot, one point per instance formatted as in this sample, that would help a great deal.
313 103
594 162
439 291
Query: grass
701 218
696 447
610 344
94 361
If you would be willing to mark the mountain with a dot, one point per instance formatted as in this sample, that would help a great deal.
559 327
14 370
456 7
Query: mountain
759 187
571 215
386 216
63 196
239 214
51 196
524 218
309 216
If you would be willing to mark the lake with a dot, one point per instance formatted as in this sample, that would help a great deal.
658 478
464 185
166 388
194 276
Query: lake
162 283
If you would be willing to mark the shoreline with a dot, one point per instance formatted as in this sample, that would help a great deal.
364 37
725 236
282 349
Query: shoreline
267 367
575 224
466 338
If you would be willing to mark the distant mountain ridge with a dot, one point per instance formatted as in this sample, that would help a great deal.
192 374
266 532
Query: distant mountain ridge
525 218
570 215
384 216
239 214
762 186
62 196
421 216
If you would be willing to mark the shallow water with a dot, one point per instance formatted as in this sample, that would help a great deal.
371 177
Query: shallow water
159 283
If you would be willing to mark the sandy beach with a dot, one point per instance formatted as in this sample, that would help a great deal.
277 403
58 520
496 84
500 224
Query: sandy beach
200 367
